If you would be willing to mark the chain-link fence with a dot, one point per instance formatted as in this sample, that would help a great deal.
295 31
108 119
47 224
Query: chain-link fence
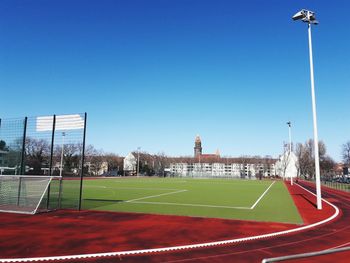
48 146
11 145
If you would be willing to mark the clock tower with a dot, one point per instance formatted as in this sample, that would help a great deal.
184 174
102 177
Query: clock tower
197 146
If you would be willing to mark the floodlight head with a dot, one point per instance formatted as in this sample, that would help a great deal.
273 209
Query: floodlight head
289 123
299 15
306 16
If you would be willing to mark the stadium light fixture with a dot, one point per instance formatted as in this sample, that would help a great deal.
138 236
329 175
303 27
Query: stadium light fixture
306 16
310 18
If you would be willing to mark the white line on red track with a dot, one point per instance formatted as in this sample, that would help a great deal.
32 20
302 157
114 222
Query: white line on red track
183 247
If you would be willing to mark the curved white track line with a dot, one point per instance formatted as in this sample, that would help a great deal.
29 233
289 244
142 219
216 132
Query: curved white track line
165 249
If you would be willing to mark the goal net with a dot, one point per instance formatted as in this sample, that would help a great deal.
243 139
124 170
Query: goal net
23 193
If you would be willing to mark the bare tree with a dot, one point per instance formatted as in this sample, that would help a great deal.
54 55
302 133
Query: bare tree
346 153
285 160
161 162
96 164
72 155
301 159
114 162
306 159
12 158
3 146
95 160
37 152
327 167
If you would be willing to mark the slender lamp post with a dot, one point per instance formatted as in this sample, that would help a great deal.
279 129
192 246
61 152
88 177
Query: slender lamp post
63 135
138 160
290 146
309 18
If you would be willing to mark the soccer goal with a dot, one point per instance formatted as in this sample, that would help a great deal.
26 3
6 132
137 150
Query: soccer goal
28 194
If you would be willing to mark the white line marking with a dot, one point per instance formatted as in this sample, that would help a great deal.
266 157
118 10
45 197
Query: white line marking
144 180
165 203
342 245
199 205
257 201
201 245
130 188
226 183
146 197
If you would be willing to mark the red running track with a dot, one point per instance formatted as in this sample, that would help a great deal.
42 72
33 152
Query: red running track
67 232
334 234
70 232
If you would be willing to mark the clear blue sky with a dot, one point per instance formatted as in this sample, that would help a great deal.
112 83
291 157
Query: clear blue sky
156 73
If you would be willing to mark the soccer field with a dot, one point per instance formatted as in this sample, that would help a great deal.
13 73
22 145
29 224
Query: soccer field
219 198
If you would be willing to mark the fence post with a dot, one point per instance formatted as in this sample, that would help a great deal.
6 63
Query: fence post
82 164
23 146
52 143
51 158
19 190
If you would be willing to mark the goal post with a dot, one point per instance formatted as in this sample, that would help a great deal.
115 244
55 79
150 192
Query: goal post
51 145
25 193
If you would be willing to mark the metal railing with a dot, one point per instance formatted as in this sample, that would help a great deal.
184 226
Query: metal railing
337 185
306 255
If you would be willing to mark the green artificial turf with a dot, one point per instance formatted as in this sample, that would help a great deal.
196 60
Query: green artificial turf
219 198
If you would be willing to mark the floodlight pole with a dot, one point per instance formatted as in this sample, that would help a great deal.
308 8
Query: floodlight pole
138 161
309 17
290 145
317 160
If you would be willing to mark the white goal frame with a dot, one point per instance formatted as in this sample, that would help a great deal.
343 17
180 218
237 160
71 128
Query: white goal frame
41 190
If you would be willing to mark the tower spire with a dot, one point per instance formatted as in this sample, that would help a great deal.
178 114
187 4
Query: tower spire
197 146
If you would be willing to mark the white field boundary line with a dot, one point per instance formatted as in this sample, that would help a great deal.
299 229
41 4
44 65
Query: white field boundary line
195 205
151 196
225 183
144 180
257 201
135 201
130 188
202 205
175 248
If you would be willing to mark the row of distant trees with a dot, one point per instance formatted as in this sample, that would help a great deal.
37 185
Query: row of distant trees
306 160
346 153
152 164
328 167
155 164
98 159
38 152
